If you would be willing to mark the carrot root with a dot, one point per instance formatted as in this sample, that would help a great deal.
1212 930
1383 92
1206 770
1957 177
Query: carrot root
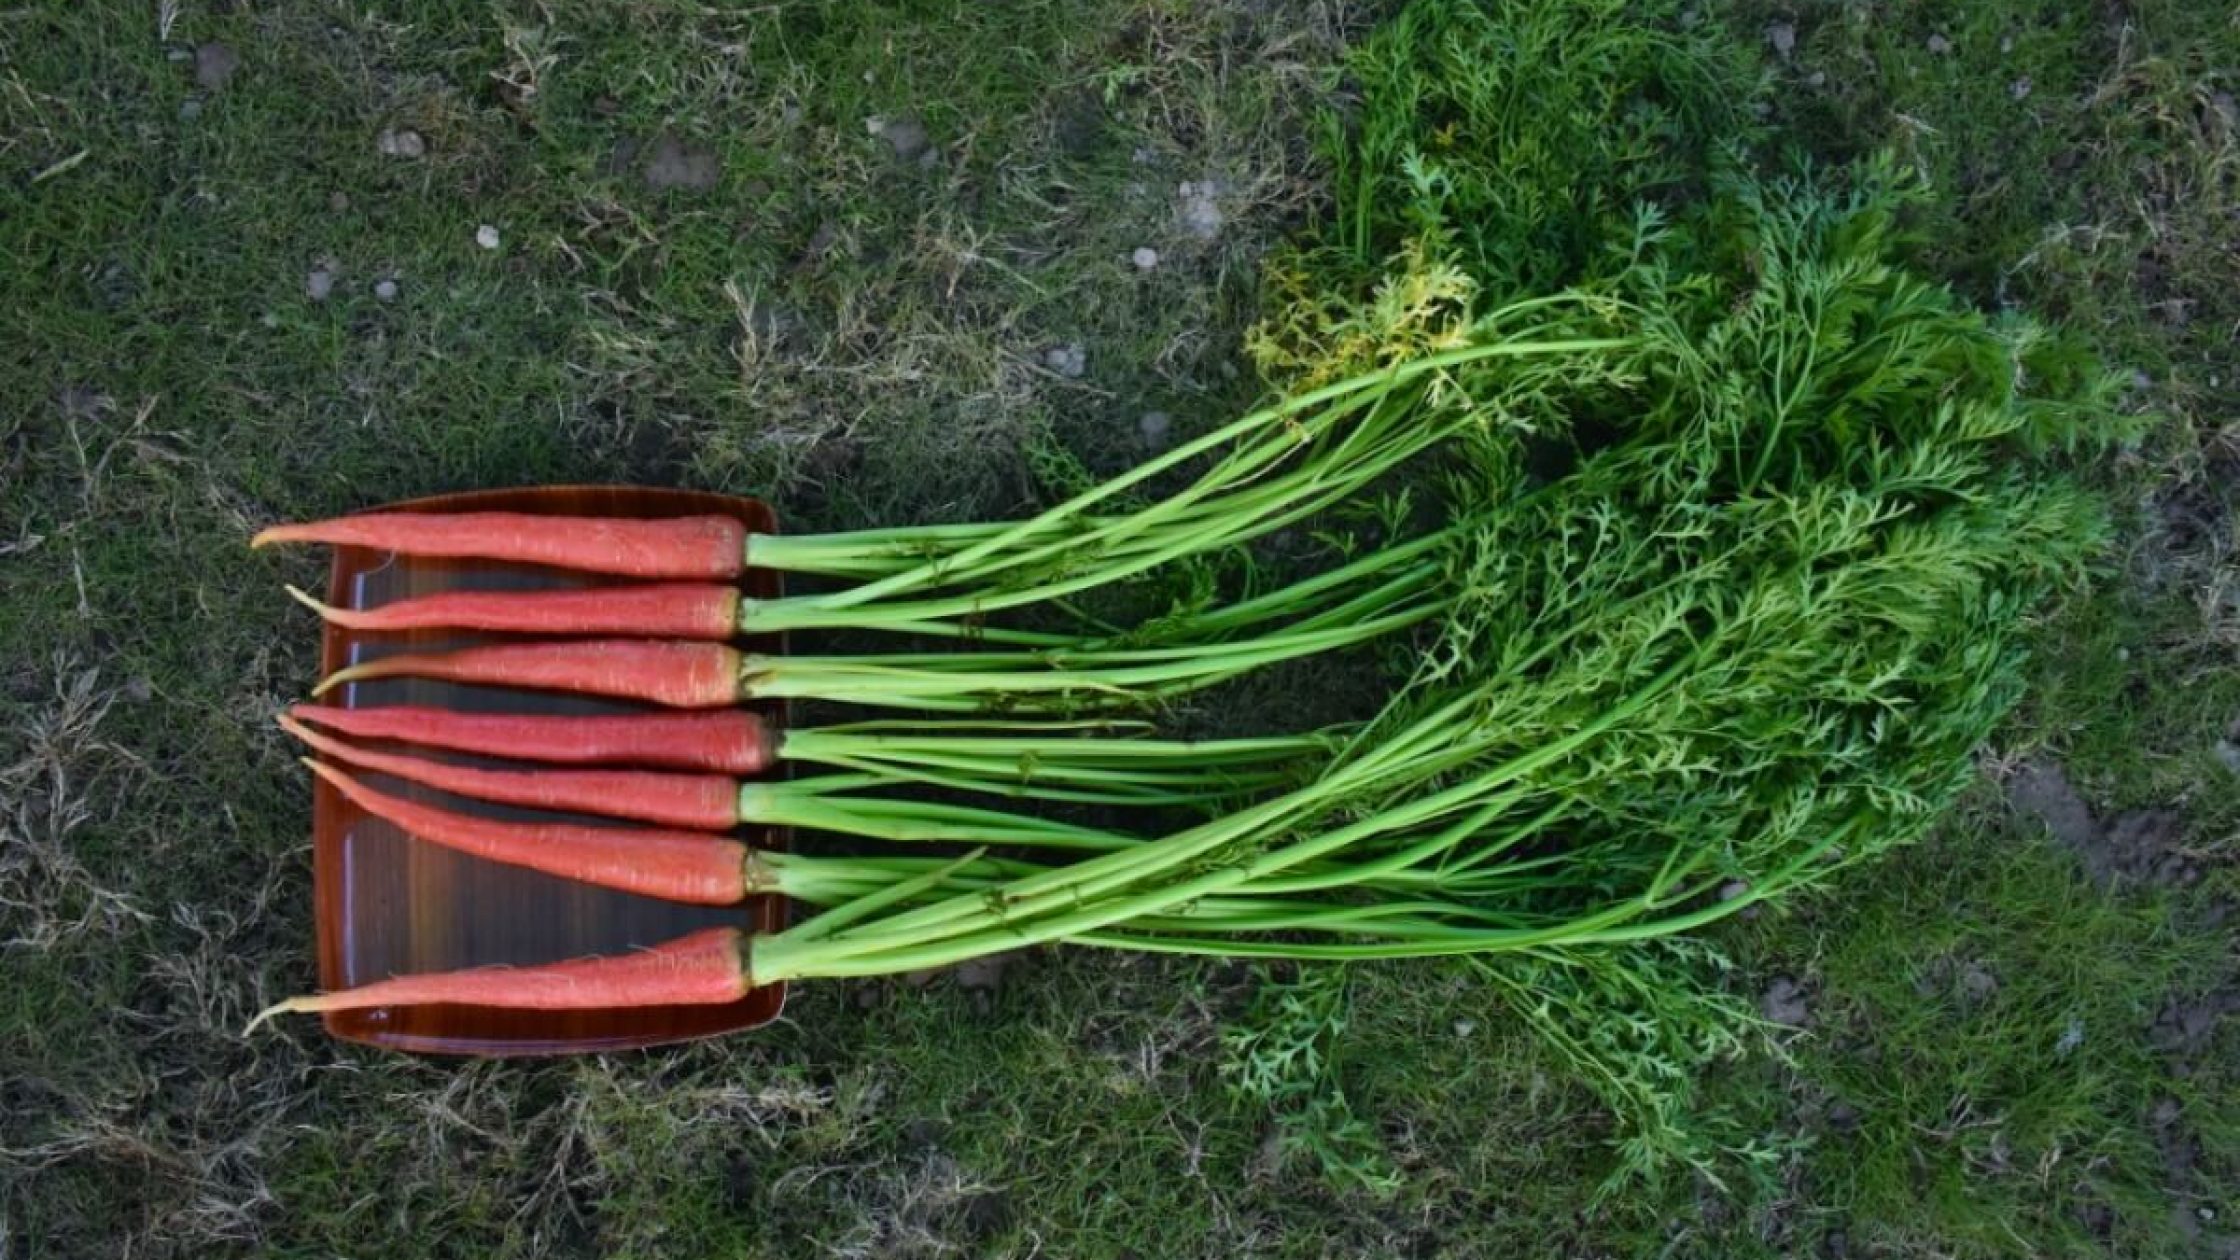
707 802
688 866
724 741
679 675
701 547
706 968
666 610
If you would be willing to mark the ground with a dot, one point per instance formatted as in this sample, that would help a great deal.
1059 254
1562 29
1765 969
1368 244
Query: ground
884 262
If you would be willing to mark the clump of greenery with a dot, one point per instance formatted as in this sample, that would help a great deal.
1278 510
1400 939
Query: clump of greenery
1814 499
1503 148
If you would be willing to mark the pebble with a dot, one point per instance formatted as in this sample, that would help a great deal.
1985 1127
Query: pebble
1145 258
386 290
318 284
906 136
1939 45
404 143
190 108
1069 361
2019 88
1783 37
1464 1027
1200 209
486 236
338 201
1154 426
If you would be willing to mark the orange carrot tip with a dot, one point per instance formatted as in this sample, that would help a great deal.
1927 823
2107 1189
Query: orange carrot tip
681 675
708 967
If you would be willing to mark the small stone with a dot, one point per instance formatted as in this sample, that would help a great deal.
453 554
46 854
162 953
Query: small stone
1977 982
906 136
1818 78
338 201
1199 209
486 236
214 65
1145 258
401 143
2006 44
2020 88
1939 45
1784 1003
1732 889
984 974
318 284
2071 1037
1154 426
386 290
1783 37
177 54
2228 755
139 689
1069 361
190 108
1464 1027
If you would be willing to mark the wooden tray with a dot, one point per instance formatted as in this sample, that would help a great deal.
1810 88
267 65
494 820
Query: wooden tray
389 904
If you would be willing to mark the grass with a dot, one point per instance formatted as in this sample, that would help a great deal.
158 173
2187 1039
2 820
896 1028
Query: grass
862 335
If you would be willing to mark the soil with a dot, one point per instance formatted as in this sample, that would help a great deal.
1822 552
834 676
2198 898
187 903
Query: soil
2139 846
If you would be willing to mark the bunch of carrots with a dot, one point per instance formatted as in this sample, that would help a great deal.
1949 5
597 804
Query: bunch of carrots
1036 715
1750 632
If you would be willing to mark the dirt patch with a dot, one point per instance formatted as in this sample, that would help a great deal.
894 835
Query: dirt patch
673 162
2185 1026
214 65
2144 846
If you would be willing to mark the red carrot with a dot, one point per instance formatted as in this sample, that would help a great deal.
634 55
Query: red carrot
706 547
664 610
705 968
732 741
688 866
706 801
680 675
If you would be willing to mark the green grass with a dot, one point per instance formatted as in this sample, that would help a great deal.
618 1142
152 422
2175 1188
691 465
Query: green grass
862 338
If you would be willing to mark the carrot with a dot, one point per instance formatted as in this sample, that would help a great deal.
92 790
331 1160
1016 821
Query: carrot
680 675
703 969
688 866
705 547
706 801
671 610
732 741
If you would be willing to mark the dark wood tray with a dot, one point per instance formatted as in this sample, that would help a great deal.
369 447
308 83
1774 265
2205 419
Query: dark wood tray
389 904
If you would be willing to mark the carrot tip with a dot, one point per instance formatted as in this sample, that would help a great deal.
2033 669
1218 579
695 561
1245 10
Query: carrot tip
336 679
325 610
293 1006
